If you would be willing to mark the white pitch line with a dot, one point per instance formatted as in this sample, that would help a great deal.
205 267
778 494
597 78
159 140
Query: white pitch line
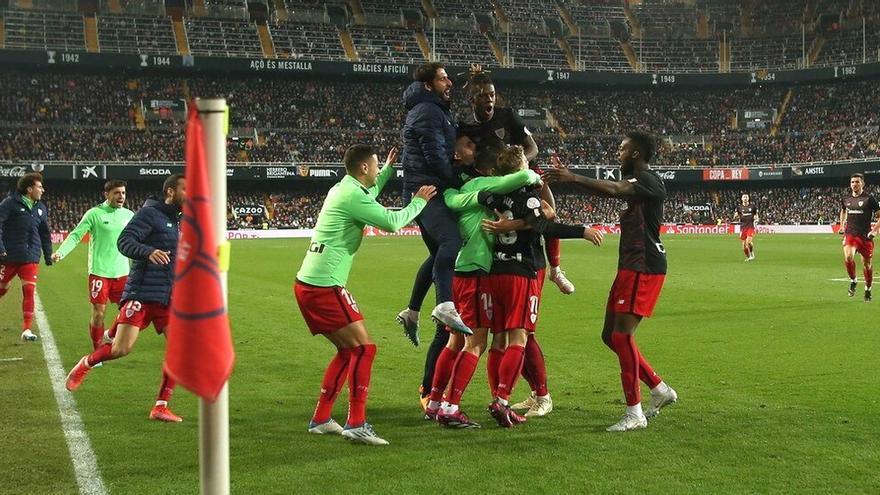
844 280
85 464
6 360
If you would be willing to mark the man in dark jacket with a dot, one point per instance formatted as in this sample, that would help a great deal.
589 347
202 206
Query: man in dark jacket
24 233
428 147
150 241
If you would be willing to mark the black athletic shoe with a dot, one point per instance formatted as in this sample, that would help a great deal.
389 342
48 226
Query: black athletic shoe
852 289
867 296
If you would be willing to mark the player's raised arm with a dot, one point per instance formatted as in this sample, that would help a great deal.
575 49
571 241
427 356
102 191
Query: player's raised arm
614 189
386 172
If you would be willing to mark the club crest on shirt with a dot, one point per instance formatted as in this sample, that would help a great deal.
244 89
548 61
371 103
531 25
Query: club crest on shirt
40 211
500 133
861 203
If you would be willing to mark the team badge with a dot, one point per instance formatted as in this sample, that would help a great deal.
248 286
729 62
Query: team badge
861 203
500 133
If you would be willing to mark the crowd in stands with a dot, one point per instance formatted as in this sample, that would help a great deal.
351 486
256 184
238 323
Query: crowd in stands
298 207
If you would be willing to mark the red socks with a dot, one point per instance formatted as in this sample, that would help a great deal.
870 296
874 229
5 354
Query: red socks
646 373
508 373
492 367
27 304
534 370
166 388
464 369
97 335
553 249
360 365
628 355
101 354
851 269
334 379
869 276
442 373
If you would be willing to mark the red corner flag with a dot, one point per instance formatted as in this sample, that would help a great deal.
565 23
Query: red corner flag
199 352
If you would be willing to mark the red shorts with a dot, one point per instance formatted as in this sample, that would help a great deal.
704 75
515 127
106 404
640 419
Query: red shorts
635 292
326 309
746 233
102 289
473 299
863 246
27 272
515 302
141 315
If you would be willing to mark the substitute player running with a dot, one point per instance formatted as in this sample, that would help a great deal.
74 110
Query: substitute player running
108 268
856 218
747 214
150 240
327 307
489 122
24 232
641 270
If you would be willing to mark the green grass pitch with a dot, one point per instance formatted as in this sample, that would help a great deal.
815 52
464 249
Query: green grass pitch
775 367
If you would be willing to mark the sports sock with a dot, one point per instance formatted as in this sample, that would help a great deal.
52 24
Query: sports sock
534 368
635 410
27 305
104 352
96 332
442 373
751 250
165 389
441 337
509 370
628 356
851 269
360 365
331 385
647 374
553 248
464 369
492 365
869 277
746 251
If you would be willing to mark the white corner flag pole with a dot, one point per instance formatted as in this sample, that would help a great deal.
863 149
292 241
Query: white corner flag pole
214 417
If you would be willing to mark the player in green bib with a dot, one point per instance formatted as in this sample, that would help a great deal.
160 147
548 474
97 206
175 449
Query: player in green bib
327 307
108 268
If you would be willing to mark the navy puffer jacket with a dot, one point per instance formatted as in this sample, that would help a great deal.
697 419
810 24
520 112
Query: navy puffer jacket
428 140
155 226
24 232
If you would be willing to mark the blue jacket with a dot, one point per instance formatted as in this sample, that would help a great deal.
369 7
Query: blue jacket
155 226
428 140
23 232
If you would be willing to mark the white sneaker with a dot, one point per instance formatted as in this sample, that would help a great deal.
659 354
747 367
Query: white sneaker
330 427
526 404
363 434
661 399
29 336
629 422
445 314
409 319
557 276
543 405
